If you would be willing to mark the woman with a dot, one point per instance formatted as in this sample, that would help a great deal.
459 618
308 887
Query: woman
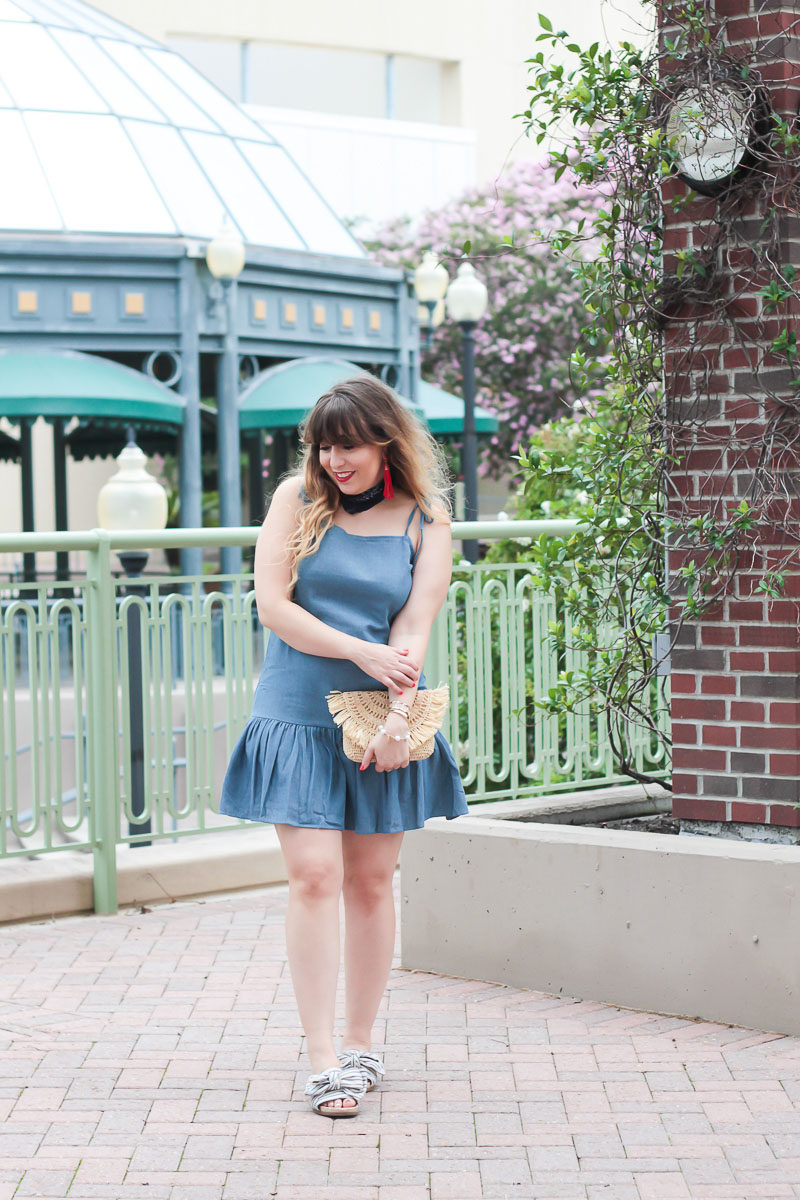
352 565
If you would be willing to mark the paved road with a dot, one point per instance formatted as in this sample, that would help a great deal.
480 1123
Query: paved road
157 1054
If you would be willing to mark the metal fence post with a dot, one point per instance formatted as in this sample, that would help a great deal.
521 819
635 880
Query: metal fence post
436 664
134 563
101 730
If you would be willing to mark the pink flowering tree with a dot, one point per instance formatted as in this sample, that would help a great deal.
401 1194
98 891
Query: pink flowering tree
536 311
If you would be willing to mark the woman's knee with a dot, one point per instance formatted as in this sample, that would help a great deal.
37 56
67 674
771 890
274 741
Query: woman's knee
313 860
367 887
315 879
369 865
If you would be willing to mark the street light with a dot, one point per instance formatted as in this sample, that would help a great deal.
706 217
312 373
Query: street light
466 300
225 254
430 320
225 258
133 499
430 284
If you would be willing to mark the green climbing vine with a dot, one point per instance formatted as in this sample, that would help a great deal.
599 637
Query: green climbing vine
673 479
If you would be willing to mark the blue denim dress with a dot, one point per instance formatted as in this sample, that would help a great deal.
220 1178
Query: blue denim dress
288 766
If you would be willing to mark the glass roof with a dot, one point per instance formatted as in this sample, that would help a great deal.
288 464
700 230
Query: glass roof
106 131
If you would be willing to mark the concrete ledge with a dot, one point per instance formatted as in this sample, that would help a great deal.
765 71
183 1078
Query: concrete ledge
695 927
59 884
576 808
38 888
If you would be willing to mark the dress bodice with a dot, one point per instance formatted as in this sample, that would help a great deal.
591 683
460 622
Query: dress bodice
355 584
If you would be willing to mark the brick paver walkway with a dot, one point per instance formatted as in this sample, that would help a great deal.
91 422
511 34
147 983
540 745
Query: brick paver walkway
158 1054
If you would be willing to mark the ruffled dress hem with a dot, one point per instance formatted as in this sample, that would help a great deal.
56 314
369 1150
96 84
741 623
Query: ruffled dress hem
284 772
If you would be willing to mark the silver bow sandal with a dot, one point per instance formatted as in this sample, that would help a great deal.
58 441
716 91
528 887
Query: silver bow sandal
335 1083
370 1065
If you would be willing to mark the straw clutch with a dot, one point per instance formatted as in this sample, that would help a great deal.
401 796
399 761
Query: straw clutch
360 713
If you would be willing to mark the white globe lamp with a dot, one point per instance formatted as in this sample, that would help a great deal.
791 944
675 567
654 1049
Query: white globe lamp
467 298
430 279
132 498
430 284
225 254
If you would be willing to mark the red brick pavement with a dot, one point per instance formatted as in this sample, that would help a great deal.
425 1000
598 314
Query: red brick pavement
158 1054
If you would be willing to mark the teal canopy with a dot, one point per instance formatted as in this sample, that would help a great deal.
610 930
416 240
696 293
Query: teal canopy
66 383
104 396
444 412
280 397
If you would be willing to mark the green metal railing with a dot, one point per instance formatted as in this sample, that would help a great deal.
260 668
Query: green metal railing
83 700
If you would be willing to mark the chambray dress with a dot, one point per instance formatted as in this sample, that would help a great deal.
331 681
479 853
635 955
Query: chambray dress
288 766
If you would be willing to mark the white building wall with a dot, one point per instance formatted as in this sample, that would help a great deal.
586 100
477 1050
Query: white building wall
462 62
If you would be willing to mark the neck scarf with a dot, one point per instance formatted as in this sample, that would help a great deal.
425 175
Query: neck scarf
364 500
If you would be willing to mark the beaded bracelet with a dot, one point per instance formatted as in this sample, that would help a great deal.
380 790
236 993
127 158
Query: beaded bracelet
396 737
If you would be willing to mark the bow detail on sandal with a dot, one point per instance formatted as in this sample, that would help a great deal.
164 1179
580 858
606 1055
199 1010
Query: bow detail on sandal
336 1083
370 1065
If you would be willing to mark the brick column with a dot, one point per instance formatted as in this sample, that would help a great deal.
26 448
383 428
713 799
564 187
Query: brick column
736 671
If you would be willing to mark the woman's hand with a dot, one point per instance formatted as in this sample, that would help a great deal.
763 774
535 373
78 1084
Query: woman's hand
389 665
384 752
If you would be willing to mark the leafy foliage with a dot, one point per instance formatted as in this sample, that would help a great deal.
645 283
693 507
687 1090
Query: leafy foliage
636 460
609 587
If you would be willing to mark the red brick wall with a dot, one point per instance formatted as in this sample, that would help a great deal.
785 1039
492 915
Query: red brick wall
736 672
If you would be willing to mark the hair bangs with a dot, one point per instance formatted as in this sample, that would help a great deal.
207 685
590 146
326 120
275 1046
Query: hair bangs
337 418
364 411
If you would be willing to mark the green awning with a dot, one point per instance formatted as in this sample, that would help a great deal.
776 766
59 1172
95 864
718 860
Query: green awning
280 397
444 412
66 383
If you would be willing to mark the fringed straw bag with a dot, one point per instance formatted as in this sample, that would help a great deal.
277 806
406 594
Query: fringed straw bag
360 713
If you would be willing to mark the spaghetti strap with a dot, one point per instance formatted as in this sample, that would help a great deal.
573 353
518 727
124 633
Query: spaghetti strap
410 518
422 519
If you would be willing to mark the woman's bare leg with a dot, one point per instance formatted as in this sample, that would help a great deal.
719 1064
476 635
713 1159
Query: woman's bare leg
313 860
369 863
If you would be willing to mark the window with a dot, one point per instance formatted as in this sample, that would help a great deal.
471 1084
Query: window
353 83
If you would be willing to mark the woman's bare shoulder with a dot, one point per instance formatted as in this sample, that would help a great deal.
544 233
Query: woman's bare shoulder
440 515
288 494
284 505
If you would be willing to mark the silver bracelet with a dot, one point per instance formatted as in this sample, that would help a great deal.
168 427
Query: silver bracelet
396 737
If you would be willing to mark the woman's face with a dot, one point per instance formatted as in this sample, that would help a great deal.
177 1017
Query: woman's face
353 468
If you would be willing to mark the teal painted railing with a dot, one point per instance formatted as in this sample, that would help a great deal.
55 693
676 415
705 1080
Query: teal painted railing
72 665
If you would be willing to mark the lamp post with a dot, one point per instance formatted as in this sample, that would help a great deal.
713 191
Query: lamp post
430 284
430 317
225 258
466 301
133 499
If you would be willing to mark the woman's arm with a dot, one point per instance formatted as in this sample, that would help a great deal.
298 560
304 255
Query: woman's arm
412 628
413 624
394 665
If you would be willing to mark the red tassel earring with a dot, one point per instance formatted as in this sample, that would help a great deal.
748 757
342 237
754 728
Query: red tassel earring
388 490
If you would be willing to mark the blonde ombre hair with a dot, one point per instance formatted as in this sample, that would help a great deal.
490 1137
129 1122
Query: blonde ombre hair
364 411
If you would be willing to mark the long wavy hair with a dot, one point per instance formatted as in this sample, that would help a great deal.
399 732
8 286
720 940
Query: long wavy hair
363 411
